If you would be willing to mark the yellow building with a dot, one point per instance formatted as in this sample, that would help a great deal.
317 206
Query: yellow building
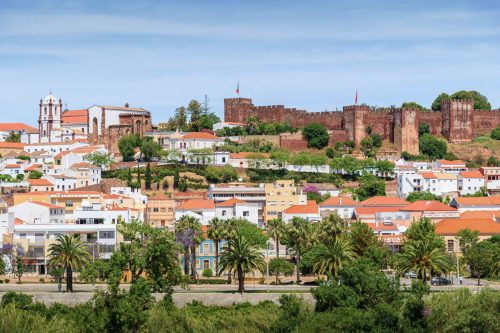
279 196
160 211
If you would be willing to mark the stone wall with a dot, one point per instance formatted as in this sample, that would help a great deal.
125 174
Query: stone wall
457 121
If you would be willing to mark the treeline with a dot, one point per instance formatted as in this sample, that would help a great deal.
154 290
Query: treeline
255 126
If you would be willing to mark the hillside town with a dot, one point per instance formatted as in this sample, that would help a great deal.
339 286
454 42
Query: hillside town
86 172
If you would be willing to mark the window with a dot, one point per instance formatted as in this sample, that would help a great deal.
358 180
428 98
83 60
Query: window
450 245
155 209
205 249
223 213
106 248
246 213
106 234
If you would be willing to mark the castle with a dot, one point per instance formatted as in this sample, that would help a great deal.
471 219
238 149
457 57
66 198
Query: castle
457 121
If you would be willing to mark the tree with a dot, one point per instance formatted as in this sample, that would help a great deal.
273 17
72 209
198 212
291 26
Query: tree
331 257
422 251
195 110
370 186
70 253
150 149
216 234
280 266
177 178
127 145
13 137
384 167
279 156
99 159
330 152
367 146
468 237
19 254
366 244
480 101
425 195
129 177
97 270
432 147
180 118
275 229
480 258
436 105
35 174
495 134
147 177
423 128
149 251
412 105
189 235
298 233
240 257
316 136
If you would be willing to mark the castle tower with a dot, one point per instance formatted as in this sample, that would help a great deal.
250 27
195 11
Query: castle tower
49 117
406 130
457 119
237 109
355 120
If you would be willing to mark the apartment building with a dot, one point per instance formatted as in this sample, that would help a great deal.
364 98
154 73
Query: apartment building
280 195
342 206
160 211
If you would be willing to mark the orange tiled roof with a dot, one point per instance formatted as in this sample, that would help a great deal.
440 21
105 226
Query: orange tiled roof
382 226
384 201
33 167
18 221
375 209
454 162
481 201
61 154
48 205
229 203
195 204
480 214
12 145
40 182
244 155
471 174
310 208
427 205
12 166
200 135
428 175
74 117
7 127
83 165
339 201
453 226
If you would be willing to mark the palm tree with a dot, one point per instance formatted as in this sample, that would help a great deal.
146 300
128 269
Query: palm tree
423 258
216 233
230 231
189 235
330 258
275 229
70 253
241 256
330 228
299 235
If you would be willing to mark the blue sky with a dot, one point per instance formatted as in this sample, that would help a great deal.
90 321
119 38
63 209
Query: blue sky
304 54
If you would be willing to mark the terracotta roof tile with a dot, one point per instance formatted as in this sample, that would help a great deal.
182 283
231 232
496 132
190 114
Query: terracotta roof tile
454 162
12 145
310 208
40 182
200 135
471 174
74 117
159 197
244 155
229 203
453 226
12 166
48 205
33 167
427 205
339 201
428 175
375 209
7 127
481 214
384 201
478 201
195 204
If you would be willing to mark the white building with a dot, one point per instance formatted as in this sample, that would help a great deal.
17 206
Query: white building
470 182
37 212
309 212
18 128
343 206
464 204
235 208
203 210
63 182
438 183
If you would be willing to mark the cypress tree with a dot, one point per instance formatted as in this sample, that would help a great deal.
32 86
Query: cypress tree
147 182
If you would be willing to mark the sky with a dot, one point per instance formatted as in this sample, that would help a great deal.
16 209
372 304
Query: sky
309 54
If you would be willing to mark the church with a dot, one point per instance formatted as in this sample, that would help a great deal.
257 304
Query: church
100 125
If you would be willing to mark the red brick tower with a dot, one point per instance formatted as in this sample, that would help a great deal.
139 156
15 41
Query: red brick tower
457 119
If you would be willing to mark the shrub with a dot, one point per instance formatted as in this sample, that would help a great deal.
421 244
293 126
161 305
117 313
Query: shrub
207 272
41 280
6 280
495 134
20 300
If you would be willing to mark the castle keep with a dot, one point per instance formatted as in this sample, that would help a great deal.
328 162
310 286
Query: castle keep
457 121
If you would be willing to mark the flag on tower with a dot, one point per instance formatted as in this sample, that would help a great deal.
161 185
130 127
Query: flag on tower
356 99
238 89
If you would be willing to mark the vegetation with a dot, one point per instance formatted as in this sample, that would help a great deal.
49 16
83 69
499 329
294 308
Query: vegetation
256 126
35 174
127 145
316 136
241 256
13 137
275 229
412 105
280 266
200 117
101 160
495 134
425 195
432 147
